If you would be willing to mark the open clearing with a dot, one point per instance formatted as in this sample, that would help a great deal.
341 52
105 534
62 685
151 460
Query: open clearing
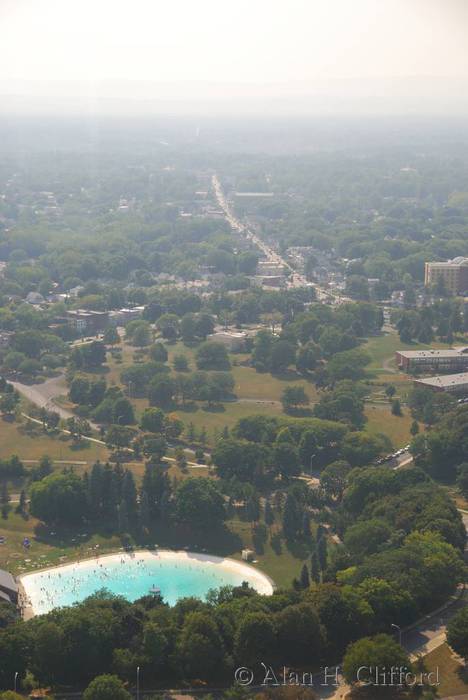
452 673
30 442
381 420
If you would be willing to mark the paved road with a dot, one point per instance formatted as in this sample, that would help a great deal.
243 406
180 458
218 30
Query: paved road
296 279
431 633
246 399
44 395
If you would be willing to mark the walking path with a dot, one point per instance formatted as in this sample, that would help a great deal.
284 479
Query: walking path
191 465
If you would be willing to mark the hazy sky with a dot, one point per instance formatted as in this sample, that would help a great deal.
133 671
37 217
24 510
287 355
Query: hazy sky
247 41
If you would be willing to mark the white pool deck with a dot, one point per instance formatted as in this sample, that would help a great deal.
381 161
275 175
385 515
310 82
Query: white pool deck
29 582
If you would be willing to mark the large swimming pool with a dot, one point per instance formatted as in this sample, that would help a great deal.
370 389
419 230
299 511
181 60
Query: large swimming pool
175 574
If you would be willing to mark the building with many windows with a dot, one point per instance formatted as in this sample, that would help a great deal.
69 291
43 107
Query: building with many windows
451 359
449 383
453 275
88 322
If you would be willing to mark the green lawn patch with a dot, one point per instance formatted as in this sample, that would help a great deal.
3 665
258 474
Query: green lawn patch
30 442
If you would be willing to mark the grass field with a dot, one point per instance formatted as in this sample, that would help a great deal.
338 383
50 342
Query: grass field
382 349
46 549
381 420
49 548
256 392
452 674
261 392
28 442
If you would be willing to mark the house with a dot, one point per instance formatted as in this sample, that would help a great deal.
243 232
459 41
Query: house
8 587
35 298
75 291
5 339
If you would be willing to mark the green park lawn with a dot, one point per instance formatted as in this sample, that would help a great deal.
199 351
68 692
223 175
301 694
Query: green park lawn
381 420
46 549
255 392
261 392
226 415
282 564
49 549
382 350
29 442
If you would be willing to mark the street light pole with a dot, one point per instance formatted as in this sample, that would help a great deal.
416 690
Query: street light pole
397 627
138 683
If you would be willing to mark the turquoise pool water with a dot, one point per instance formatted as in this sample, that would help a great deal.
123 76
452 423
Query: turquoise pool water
176 574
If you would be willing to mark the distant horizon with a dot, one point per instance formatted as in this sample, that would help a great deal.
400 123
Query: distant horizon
411 95
300 57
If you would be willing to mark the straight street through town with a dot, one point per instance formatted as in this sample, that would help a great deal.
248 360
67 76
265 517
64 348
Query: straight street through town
296 280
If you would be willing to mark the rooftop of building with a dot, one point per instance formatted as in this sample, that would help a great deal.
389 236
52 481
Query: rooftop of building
449 352
446 380
86 312
456 262
7 581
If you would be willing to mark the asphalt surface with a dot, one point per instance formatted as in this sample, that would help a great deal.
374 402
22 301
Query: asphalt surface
296 280
44 395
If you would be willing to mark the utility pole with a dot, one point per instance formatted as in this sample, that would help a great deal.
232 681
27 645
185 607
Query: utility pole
397 627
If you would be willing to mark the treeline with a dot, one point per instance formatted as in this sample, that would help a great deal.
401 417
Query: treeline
260 447
314 337
401 556
444 449
441 320
108 496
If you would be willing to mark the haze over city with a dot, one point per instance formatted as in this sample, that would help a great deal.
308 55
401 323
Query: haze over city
234 349
300 57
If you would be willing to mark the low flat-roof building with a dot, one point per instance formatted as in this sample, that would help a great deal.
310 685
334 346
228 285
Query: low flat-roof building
268 281
430 360
453 383
123 316
270 268
8 587
233 340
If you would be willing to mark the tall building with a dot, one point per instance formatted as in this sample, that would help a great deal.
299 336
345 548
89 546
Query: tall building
453 273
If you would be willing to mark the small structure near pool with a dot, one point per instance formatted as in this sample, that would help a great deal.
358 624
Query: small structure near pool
8 587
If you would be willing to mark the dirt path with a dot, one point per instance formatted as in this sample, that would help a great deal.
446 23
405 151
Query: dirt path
386 364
